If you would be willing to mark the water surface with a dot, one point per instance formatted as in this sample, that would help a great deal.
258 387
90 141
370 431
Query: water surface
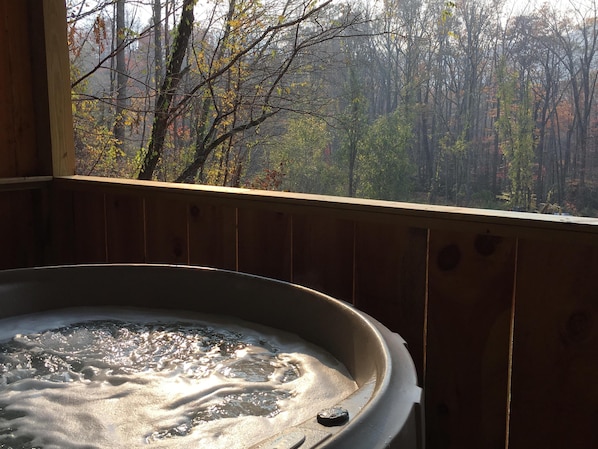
121 378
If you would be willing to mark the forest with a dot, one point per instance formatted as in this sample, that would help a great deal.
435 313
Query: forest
473 103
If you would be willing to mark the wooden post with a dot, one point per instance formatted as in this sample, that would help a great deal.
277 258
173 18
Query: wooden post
59 88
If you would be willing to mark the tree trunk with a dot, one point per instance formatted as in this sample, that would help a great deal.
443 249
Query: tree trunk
167 91
158 60
121 74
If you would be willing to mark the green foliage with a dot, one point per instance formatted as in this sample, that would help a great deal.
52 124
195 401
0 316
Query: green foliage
306 155
465 134
516 133
485 199
97 151
353 125
447 11
458 147
384 170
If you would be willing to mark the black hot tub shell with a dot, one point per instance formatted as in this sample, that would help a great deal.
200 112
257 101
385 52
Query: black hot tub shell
384 412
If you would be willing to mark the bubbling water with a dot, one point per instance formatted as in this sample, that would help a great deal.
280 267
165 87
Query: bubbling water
119 378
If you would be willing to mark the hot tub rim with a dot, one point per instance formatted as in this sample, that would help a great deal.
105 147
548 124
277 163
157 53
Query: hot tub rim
385 394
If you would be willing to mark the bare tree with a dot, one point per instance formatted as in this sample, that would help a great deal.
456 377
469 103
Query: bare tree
163 111
579 51
243 77
121 73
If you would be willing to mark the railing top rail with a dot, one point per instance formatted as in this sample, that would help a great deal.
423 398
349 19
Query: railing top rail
24 183
484 221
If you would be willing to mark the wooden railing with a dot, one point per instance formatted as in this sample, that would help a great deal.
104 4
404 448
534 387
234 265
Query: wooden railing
500 310
24 221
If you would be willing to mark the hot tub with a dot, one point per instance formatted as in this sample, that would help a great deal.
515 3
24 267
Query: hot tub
384 412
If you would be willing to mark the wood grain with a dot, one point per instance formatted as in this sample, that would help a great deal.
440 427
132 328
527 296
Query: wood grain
125 229
390 280
555 349
265 243
323 254
39 90
470 292
62 225
166 230
89 231
20 243
459 219
59 87
212 235
18 151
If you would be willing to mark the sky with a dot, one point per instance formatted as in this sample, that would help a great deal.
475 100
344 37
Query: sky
512 7
520 6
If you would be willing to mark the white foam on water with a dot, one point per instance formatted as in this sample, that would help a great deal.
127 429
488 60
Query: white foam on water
153 384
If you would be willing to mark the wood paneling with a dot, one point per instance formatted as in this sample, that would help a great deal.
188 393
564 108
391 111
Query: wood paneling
89 234
18 151
78 227
40 91
212 235
166 230
460 219
8 241
63 226
555 349
469 314
21 244
323 254
390 280
264 239
125 228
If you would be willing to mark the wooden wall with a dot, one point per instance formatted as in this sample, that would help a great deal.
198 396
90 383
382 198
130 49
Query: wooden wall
24 125
23 149
499 310
35 124
24 222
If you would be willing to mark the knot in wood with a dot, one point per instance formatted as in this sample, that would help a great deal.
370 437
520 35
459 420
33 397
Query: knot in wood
449 257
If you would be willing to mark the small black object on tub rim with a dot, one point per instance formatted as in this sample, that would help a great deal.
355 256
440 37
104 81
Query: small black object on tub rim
334 416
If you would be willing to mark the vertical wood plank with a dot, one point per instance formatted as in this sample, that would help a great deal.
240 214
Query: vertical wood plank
20 245
89 227
39 90
166 230
63 227
8 139
323 254
125 233
8 225
212 235
28 248
7 240
18 151
555 349
42 228
470 294
6 156
59 91
390 280
264 243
